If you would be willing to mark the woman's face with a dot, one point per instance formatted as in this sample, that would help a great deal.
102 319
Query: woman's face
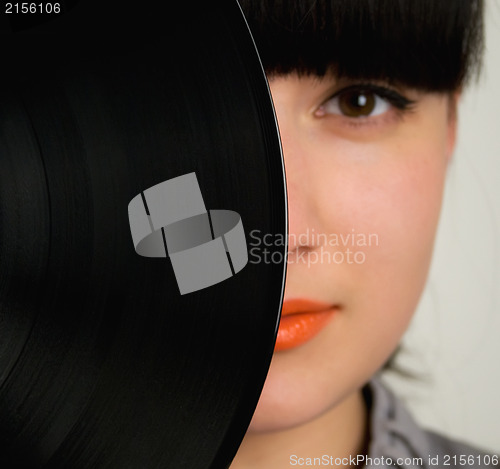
365 170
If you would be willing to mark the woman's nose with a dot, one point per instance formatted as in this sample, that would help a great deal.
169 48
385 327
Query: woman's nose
302 194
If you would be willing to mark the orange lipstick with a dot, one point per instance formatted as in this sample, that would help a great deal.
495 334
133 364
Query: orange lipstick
300 321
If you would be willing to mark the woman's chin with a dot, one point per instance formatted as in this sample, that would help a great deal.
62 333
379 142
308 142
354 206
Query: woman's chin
282 408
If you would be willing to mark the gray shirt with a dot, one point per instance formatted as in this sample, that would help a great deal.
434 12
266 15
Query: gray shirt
396 438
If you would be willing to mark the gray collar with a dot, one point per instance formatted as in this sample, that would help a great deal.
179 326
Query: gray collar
393 432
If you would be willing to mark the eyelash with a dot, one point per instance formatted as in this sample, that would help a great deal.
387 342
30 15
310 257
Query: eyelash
392 97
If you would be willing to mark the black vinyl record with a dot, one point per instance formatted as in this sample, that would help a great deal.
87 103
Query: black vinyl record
103 362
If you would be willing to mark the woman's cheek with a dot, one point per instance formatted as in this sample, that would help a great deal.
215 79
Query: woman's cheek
390 195
404 213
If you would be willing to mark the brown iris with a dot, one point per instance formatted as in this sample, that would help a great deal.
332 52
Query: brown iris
356 103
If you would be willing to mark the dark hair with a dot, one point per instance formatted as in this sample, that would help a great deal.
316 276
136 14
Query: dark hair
433 45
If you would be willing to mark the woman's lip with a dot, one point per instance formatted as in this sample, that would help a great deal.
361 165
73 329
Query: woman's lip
302 305
301 320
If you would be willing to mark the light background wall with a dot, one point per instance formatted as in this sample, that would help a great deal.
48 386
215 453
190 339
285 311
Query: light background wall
453 344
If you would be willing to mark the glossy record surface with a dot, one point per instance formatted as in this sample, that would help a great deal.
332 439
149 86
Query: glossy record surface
102 363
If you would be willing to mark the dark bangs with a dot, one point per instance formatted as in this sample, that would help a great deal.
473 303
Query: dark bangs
431 45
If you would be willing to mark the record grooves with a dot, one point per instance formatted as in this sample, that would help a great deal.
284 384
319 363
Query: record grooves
103 364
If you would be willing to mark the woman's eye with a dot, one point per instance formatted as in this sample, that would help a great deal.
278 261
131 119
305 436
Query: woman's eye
356 103
360 101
